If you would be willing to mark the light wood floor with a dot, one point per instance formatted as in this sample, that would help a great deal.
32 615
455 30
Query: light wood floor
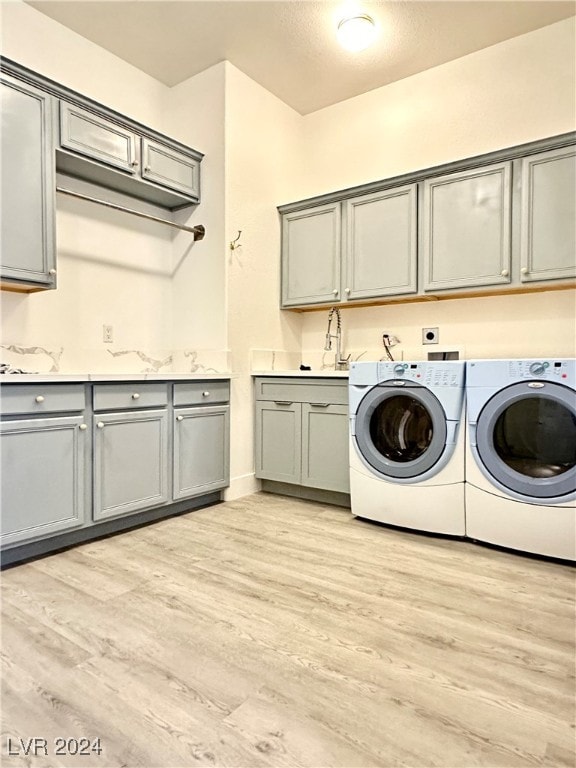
276 632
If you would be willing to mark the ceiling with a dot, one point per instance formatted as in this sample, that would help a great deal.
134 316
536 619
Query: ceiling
289 46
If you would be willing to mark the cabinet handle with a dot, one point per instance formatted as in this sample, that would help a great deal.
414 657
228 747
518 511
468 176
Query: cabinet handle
319 405
504 273
206 394
135 396
524 270
179 418
283 402
100 425
335 291
52 271
83 427
40 399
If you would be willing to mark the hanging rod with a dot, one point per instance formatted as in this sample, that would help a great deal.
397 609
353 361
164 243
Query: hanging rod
198 231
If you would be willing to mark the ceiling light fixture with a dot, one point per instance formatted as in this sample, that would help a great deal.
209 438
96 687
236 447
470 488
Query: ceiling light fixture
355 33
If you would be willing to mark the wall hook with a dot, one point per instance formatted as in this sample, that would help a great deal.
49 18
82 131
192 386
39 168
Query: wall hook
234 243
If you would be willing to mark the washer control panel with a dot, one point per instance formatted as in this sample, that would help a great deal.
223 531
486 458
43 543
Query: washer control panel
441 373
541 369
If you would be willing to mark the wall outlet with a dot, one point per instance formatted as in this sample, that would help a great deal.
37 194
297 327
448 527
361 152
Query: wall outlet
430 335
107 334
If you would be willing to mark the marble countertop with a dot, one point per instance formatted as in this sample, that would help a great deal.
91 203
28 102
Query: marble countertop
327 373
56 378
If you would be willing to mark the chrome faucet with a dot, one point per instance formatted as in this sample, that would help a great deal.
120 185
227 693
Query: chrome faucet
340 363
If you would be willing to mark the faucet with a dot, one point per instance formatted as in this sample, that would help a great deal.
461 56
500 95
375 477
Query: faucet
340 363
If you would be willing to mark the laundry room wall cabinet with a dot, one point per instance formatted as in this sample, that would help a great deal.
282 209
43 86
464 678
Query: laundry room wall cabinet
497 223
60 131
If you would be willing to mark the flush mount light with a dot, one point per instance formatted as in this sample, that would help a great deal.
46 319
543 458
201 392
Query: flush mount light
355 33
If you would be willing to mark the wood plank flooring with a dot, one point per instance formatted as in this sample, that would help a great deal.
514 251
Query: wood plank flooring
277 632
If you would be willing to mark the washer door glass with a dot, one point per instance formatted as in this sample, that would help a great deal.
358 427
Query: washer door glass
401 430
526 439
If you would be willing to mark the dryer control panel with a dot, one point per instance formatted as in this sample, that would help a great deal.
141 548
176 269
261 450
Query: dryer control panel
498 373
440 373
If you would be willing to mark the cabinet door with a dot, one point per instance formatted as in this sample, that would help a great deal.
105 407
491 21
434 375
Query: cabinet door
311 256
325 462
92 136
466 229
43 477
27 235
169 168
201 450
130 462
380 244
278 441
548 239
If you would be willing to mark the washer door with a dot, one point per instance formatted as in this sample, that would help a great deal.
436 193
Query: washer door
526 439
401 429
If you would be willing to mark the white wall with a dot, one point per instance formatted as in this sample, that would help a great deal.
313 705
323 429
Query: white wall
520 90
263 166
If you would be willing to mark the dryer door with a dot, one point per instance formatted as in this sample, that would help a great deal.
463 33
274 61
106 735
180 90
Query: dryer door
526 439
401 429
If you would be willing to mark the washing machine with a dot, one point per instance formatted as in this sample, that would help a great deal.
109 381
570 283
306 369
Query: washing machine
521 455
407 444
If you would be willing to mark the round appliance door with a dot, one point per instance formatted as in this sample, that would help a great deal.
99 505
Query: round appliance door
401 429
526 439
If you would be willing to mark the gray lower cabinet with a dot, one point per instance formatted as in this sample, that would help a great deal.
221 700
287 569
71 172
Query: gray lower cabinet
466 229
27 235
130 462
45 456
302 432
201 439
548 234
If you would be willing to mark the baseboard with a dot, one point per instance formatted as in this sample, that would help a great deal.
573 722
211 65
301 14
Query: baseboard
244 485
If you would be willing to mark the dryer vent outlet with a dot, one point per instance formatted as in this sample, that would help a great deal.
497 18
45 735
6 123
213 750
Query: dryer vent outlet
430 335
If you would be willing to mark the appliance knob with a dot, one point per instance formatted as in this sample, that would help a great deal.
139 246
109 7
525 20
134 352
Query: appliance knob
399 370
538 368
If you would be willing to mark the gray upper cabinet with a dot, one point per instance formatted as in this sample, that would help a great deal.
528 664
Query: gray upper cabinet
380 232
466 229
170 169
311 256
548 229
27 240
86 133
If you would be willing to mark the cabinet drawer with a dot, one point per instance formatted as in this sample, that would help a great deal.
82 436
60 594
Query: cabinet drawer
42 398
315 391
109 397
201 392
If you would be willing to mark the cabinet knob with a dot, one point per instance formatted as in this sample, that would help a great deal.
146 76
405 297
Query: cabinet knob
134 163
52 271
524 270
147 169
40 399
504 273
179 418
135 396
347 290
206 394
335 291
100 425
83 427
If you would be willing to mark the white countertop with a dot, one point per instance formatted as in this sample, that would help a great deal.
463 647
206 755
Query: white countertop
322 374
58 378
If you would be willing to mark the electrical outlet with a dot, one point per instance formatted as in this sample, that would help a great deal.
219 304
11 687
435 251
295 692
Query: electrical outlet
107 334
430 335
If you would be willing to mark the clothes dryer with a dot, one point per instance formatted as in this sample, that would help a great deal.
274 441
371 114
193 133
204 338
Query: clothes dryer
521 455
407 444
